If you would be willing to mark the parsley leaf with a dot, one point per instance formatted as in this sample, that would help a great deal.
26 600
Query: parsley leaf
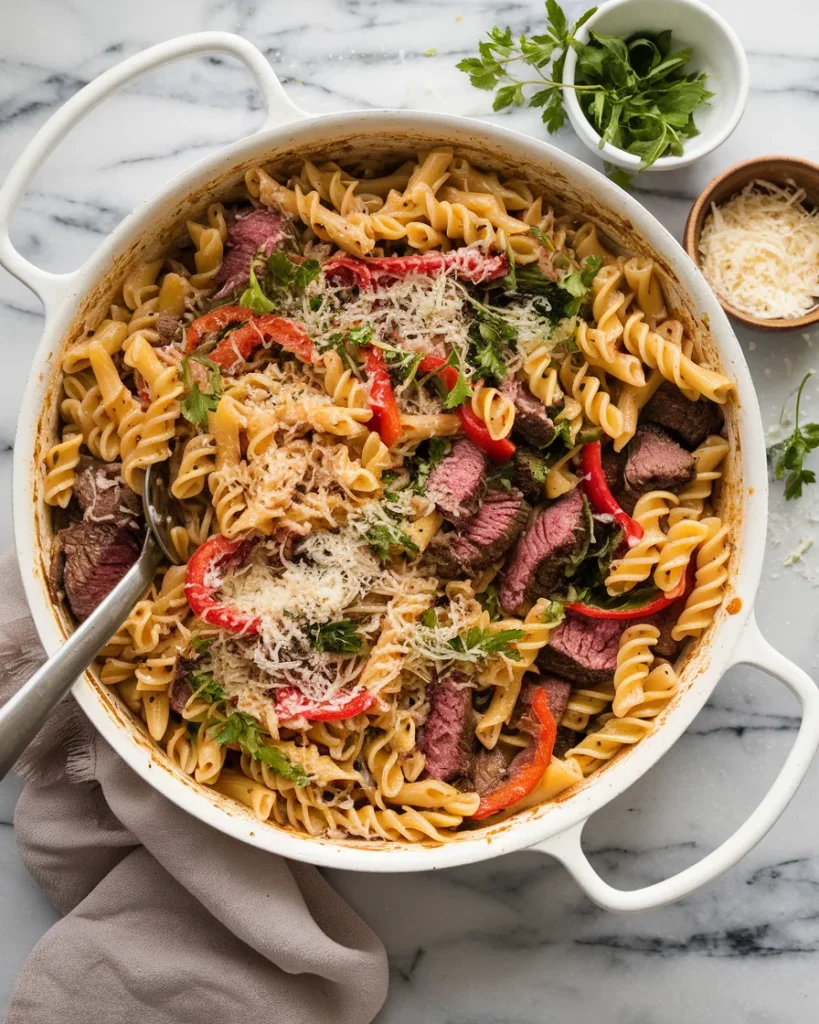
243 729
383 537
284 273
437 448
490 601
206 688
254 298
336 637
490 336
401 364
197 403
790 453
578 283
486 642
635 92
459 393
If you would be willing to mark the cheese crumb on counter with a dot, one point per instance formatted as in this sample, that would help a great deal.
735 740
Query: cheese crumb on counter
760 251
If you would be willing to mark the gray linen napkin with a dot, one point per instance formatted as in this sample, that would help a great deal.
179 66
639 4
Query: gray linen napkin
167 921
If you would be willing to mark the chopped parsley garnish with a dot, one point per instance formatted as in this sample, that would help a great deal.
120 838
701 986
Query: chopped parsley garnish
383 537
437 448
542 237
243 729
284 273
490 335
490 602
205 687
485 642
336 637
361 335
565 297
254 298
401 364
197 403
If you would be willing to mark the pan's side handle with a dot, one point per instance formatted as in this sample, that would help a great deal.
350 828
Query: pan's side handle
49 287
753 649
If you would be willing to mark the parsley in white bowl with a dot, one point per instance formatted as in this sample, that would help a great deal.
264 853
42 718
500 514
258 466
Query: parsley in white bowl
671 77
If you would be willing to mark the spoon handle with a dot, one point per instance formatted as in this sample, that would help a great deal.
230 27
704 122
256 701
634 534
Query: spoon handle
22 717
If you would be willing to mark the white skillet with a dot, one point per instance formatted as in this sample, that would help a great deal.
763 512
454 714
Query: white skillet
76 300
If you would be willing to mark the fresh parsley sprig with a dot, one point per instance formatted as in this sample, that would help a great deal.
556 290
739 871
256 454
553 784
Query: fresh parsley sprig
243 730
485 642
788 456
336 637
197 403
635 93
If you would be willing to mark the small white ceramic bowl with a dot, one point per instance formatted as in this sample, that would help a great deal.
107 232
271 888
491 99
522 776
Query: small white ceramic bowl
716 50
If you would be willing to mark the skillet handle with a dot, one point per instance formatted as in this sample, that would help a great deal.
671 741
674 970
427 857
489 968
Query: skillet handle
753 649
50 287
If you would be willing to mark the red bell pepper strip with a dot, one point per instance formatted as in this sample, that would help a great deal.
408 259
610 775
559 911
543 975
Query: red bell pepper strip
601 498
386 414
217 320
474 427
202 582
292 703
469 264
242 341
239 344
660 603
527 768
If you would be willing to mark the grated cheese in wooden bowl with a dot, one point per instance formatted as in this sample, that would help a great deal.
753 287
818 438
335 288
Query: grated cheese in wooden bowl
760 251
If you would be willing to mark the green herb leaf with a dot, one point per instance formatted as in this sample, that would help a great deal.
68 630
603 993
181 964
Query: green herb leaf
636 93
254 298
285 274
437 448
382 539
486 642
788 455
204 687
197 403
243 729
490 601
429 619
336 637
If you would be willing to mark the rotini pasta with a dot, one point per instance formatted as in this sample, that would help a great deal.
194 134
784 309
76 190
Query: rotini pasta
392 538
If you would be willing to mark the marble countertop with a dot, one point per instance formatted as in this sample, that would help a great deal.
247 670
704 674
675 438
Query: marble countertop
513 939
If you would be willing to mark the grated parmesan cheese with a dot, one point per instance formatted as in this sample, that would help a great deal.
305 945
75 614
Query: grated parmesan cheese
760 251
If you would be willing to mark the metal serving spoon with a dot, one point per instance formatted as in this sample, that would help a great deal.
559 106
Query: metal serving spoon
22 716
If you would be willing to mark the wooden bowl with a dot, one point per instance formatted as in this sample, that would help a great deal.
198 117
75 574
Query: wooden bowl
781 170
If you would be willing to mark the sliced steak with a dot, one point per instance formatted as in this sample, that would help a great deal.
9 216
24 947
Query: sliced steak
583 650
486 536
613 465
529 474
180 691
655 462
103 495
97 556
489 770
532 419
557 692
252 232
691 421
166 327
565 740
667 646
455 483
449 732
539 559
